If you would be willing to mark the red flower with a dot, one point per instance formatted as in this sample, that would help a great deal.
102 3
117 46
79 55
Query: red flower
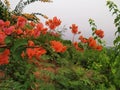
19 31
2 37
74 28
30 52
41 29
39 51
4 57
56 21
39 26
44 31
99 47
1 23
83 40
23 54
31 43
36 33
100 33
21 21
75 44
92 43
7 23
58 46
9 30
53 23
32 24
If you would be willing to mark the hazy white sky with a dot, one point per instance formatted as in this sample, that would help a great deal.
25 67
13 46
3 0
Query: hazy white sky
78 12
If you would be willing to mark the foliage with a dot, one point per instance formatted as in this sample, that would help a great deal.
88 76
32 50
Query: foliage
115 11
116 56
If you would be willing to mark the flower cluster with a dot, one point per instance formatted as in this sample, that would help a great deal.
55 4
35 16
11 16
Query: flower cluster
75 44
33 51
24 29
53 23
4 57
58 46
74 28
90 42
99 33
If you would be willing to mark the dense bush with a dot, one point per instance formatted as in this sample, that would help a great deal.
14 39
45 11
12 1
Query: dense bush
33 56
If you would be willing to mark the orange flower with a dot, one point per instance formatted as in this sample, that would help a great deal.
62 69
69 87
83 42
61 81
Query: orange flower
35 52
2 37
7 23
83 40
56 21
29 32
58 46
2 23
39 26
4 57
92 43
75 44
21 21
19 31
53 23
63 49
39 51
90 39
36 33
31 43
99 47
23 54
9 30
74 28
40 29
100 33
30 53
32 24
44 31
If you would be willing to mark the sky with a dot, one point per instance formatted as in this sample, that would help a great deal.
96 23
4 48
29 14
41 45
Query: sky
77 12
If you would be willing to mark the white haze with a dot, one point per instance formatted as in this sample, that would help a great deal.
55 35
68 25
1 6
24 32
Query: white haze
78 12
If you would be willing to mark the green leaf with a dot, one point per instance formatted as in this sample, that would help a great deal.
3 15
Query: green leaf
95 37
17 48
45 57
117 19
118 30
8 40
117 40
18 43
99 40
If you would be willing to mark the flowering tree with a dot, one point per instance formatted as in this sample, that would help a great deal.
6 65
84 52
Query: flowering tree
33 56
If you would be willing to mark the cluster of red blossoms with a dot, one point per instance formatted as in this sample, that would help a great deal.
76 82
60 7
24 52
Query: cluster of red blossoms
4 31
4 57
58 46
53 23
33 51
99 33
75 44
90 41
74 28
20 30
